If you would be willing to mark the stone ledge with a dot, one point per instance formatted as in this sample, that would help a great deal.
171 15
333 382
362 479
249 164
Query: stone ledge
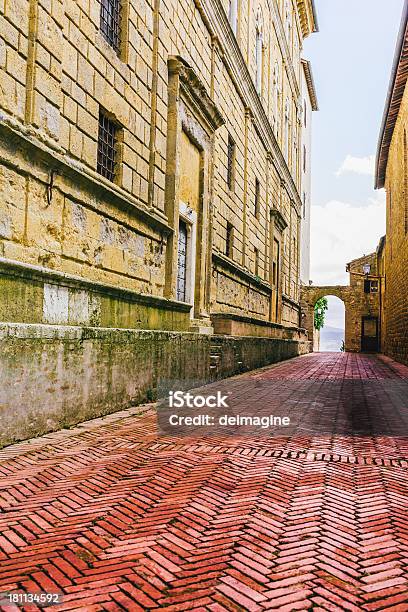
32 272
17 135
239 325
228 264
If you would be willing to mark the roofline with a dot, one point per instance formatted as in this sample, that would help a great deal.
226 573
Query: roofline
381 245
308 17
381 161
307 67
362 257
316 22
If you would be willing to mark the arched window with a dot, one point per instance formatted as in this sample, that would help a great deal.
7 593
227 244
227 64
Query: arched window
259 53
233 15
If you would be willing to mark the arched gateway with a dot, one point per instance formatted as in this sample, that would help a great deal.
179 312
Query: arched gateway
310 295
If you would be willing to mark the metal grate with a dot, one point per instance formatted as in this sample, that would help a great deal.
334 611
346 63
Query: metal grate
107 143
110 22
182 262
229 246
257 191
230 162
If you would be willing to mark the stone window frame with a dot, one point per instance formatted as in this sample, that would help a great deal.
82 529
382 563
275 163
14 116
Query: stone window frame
118 146
257 202
229 240
122 46
192 111
231 161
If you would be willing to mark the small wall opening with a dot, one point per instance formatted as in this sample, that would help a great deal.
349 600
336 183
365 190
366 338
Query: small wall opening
331 336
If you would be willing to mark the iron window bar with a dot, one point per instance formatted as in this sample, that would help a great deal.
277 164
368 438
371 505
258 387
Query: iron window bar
107 146
110 22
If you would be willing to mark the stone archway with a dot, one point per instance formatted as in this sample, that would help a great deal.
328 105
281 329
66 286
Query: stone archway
308 298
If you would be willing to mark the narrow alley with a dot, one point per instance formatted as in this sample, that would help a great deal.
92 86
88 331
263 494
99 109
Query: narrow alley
114 516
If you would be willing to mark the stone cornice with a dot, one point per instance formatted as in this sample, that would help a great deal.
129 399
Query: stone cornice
195 92
308 19
216 21
395 95
14 135
307 68
279 219
228 264
10 267
288 300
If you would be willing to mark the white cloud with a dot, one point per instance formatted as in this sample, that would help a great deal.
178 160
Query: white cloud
358 165
340 233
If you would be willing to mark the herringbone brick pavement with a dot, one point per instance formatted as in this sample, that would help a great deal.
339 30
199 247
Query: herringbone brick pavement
115 517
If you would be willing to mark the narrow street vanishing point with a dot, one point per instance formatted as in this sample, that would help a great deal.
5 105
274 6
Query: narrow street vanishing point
114 517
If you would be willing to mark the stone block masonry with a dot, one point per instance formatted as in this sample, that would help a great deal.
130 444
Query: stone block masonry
56 376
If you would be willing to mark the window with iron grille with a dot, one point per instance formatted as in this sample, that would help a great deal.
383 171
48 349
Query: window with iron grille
257 198
107 146
230 162
229 250
110 22
256 256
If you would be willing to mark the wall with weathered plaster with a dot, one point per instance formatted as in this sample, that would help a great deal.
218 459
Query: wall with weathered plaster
54 376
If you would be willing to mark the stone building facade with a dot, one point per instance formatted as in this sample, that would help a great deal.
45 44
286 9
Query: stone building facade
310 105
150 181
151 149
362 297
392 173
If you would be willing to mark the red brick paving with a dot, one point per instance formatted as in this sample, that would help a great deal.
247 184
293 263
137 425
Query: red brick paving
117 518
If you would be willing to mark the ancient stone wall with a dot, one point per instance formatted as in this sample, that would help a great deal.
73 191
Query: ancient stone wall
54 376
396 250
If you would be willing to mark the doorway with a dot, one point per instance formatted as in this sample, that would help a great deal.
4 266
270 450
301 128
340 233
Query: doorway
369 335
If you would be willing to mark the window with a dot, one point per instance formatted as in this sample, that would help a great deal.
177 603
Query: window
229 250
233 15
256 255
370 286
304 159
258 60
287 130
304 113
276 98
107 146
110 22
257 198
304 205
181 292
231 163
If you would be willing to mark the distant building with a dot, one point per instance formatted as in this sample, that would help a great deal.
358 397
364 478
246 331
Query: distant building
309 104
362 299
392 173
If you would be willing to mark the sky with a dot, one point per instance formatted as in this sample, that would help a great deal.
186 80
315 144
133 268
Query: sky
351 58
